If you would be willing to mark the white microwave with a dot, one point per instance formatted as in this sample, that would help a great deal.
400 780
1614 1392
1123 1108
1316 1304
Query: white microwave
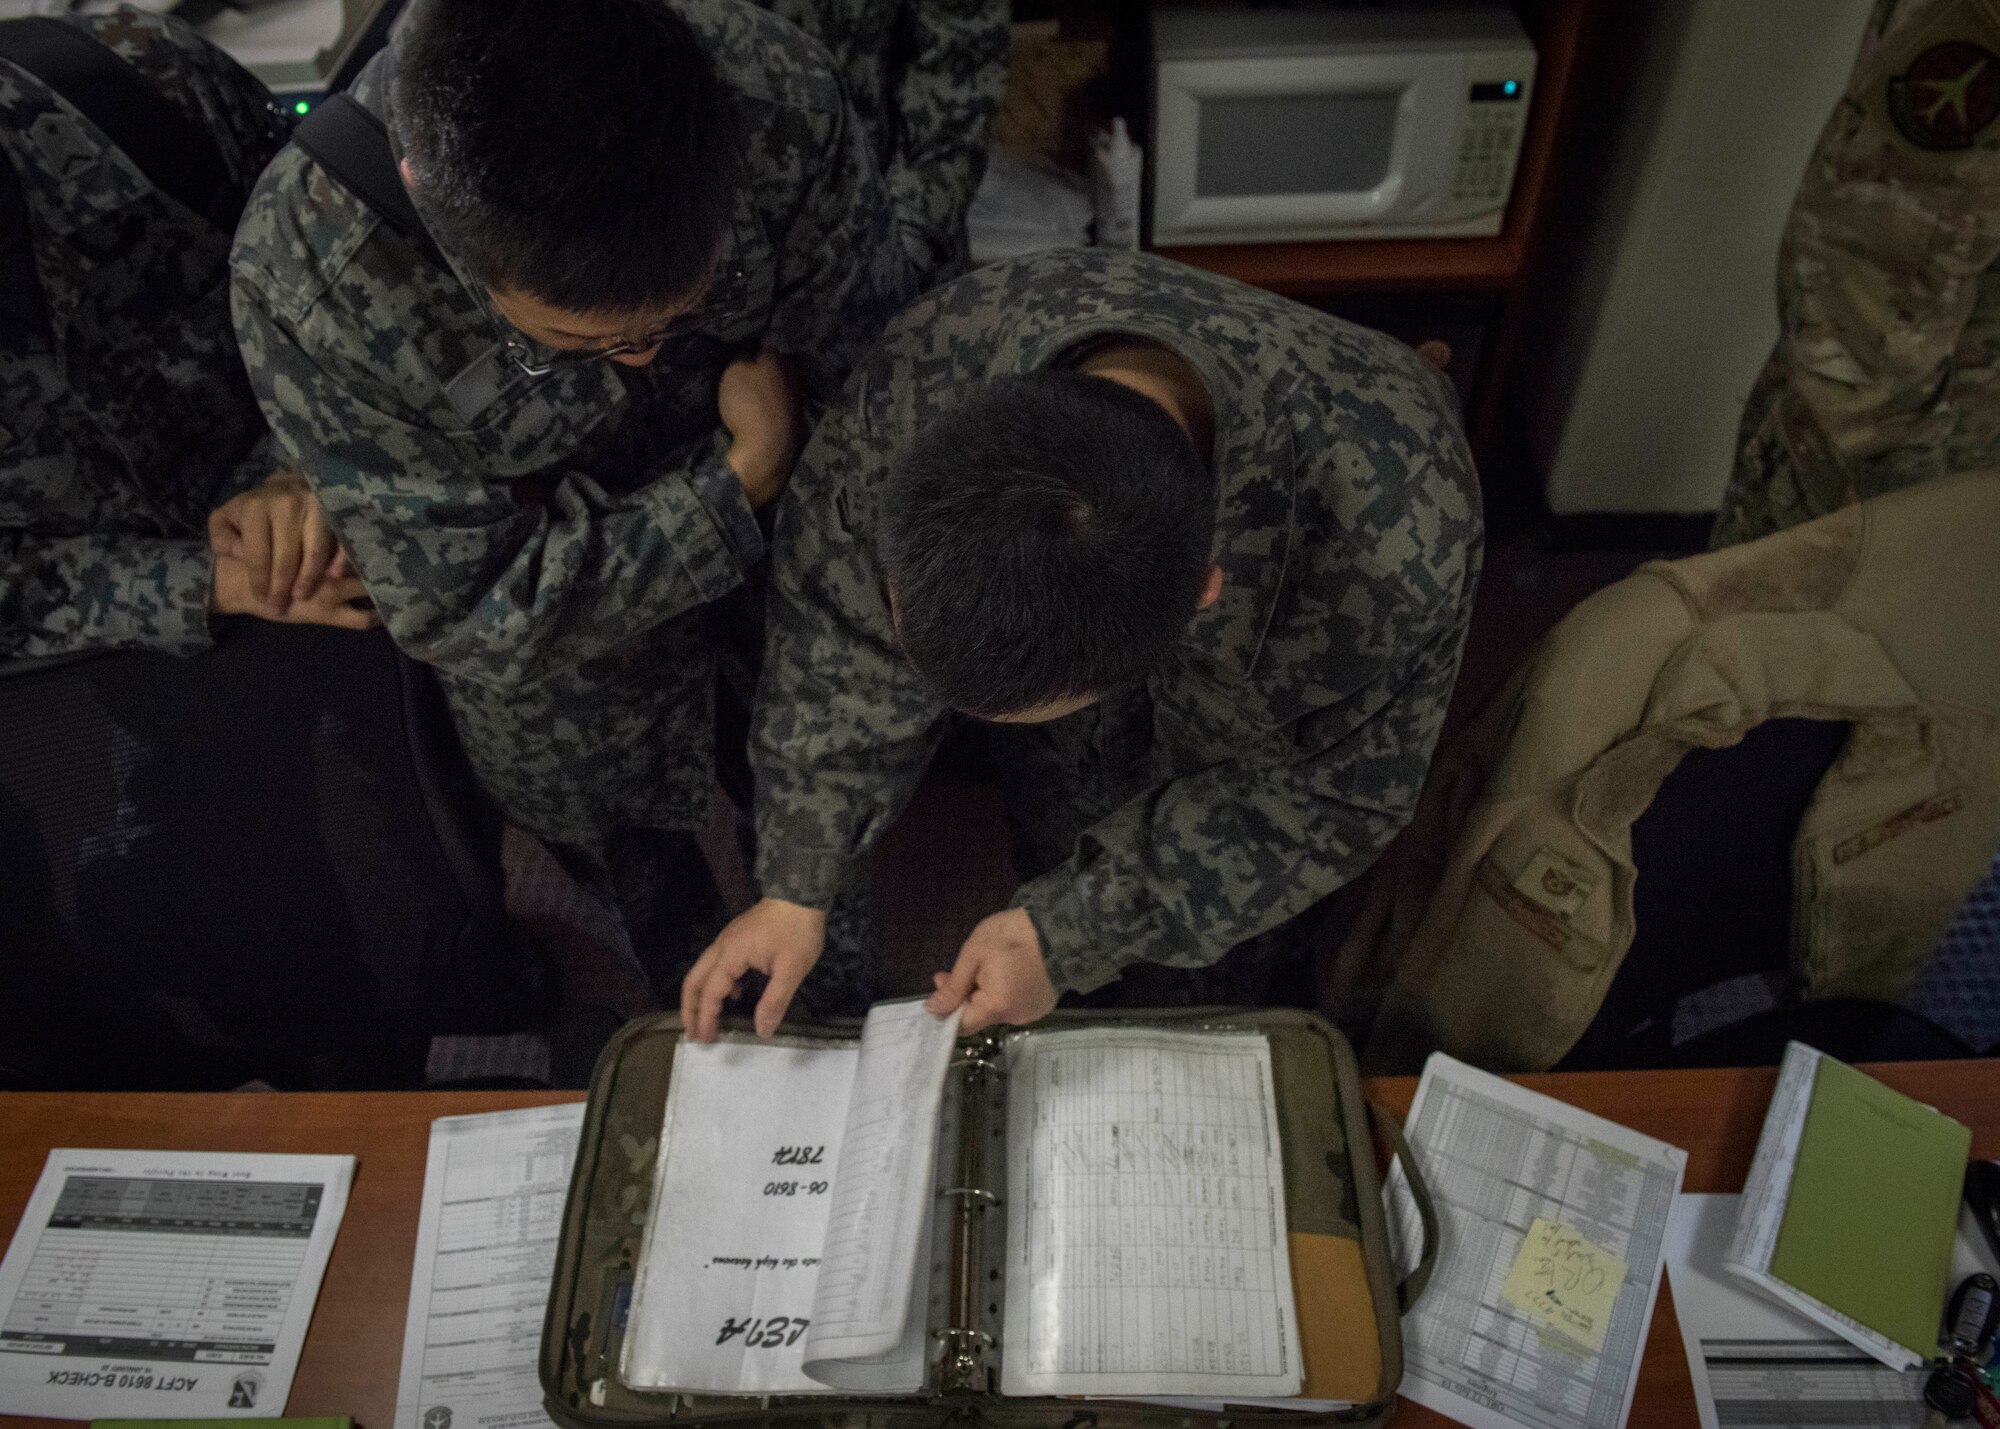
1281 121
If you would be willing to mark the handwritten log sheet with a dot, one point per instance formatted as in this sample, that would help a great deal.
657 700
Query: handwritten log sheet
1146 1218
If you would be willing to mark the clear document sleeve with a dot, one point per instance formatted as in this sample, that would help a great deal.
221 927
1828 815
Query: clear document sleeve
1146 1238
790 1215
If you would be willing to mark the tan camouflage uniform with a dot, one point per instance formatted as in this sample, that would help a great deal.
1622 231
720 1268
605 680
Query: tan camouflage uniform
926 78
551 544
1887 371
124 415
1287 740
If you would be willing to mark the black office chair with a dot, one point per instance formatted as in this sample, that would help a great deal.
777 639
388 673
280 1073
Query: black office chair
1713 913
265 862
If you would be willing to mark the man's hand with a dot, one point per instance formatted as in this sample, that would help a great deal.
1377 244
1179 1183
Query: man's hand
279 533
328 604
999 976
780 940
760 410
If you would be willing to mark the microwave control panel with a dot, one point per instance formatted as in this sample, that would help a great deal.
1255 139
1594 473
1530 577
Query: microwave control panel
1489 144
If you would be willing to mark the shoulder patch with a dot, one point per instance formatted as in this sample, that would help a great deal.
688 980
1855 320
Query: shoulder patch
1948 95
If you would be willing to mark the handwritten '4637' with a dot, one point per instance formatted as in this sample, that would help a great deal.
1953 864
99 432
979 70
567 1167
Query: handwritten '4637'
764 1334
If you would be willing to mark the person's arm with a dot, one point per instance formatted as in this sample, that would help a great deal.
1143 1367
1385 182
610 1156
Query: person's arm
840 736
843 727
1188 870
64 595
466 577
1886 248
842 273
942 108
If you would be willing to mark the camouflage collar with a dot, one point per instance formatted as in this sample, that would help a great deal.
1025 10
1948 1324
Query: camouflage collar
1255 490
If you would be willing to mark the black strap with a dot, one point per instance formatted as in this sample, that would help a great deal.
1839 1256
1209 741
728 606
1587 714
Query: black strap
353 145
21 308
176 154
199 12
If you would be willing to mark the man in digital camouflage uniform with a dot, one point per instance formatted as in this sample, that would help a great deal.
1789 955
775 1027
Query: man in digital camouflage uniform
1266 517
926 78
125 420
1887 370
545 456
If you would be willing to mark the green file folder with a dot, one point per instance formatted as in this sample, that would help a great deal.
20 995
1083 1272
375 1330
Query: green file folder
1873 1208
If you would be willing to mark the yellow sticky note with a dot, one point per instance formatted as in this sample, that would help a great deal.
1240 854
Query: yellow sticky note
1566 1283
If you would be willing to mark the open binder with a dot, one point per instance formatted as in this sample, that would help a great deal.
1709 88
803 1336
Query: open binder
1347 1299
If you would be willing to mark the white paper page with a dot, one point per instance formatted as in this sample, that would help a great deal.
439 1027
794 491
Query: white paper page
904 1366
1146 1247
1497 1158
868 1332
494 1189
1769 1186
1754 1362
731 1253
165 1284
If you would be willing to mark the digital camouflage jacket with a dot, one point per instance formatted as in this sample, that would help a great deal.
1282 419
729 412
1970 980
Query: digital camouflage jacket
1287 740
1887 368
124 415
926 78
545 542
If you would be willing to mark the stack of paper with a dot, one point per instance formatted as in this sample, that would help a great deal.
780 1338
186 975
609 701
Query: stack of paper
785 1249
1849 1213
1553 1224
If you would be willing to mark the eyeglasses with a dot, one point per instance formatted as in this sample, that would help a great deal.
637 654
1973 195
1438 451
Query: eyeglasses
560 358
718 305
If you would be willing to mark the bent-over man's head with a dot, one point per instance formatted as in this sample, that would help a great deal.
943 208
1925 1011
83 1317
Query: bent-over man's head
1044 543
580 154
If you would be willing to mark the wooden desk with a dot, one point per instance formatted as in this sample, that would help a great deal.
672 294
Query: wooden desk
353 1350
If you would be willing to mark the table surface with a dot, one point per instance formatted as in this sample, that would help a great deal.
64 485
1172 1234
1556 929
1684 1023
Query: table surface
352 1352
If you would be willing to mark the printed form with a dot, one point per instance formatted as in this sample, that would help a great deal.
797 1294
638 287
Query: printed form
165 1284
1146 1217
494 1189
1756 1363
1498 1159
794 1189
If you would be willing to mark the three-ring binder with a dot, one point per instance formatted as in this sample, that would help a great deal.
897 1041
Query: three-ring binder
963 1364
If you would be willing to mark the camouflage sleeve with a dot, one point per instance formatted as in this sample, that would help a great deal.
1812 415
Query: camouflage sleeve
466 577
843 729
945 99
69 594
1897 219
1188 870
214 91
841 273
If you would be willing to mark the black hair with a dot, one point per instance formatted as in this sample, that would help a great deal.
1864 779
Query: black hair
1046 539
580 151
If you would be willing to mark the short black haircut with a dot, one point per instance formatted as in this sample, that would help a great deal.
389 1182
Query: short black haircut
580 151
1046 539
